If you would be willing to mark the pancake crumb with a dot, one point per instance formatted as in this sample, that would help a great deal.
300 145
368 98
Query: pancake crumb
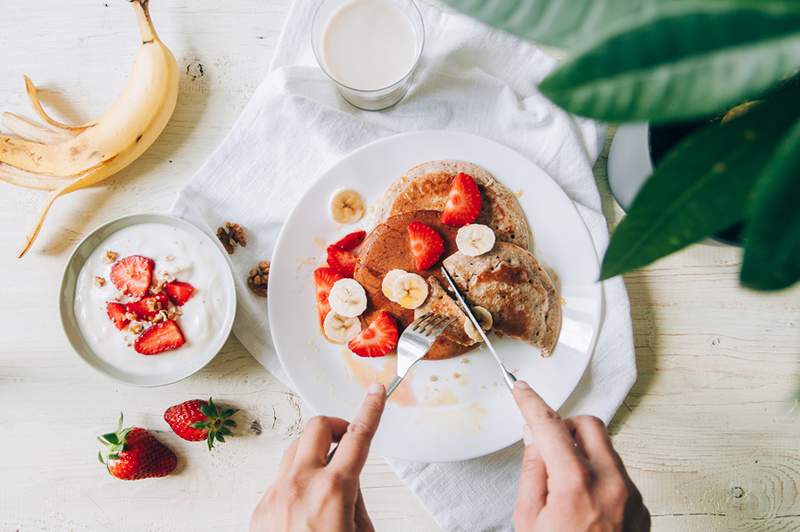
434 378
519 193
465 361
456 375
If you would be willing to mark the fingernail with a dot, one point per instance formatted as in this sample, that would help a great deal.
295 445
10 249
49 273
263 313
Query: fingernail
527 435
375 388
522 385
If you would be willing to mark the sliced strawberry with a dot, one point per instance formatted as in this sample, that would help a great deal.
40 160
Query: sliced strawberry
146 308
377 340
343 262
426 245
179 292
351 241
323 281
463 203
116 311
132 275
164 336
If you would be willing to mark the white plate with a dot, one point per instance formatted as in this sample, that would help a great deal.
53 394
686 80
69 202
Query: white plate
126 365
466 411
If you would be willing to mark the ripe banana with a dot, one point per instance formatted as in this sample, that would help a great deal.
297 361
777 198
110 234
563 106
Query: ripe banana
348 298
347 206
80 156
475 239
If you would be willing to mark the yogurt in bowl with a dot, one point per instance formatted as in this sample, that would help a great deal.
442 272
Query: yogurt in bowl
180 252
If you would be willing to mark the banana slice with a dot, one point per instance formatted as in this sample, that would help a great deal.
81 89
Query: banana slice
410 290
347 206
348 298
475 239
387 285
340 329
485 320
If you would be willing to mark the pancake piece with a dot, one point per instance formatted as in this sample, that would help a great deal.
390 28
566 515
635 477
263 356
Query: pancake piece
440 302
427 186
387 248
510 283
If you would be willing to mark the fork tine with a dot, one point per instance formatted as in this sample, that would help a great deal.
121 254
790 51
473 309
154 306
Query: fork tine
443 325
420 323
434 324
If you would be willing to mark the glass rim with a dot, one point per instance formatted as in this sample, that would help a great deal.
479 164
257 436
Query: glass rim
405 76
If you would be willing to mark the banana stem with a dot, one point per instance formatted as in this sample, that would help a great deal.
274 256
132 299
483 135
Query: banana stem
146 28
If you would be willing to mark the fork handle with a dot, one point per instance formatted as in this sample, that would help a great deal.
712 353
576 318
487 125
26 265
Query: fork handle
389 389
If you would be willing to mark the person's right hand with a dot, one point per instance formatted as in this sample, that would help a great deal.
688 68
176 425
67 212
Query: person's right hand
572 479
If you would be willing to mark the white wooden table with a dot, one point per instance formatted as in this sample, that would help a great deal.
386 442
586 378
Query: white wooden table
710 432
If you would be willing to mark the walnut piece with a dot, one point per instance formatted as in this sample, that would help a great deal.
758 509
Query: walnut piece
231 234
111 256
100 281
136 328
258 278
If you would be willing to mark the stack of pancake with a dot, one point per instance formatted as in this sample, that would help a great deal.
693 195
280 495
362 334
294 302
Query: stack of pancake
507 281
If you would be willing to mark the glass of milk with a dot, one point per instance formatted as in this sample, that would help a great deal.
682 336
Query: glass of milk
369 48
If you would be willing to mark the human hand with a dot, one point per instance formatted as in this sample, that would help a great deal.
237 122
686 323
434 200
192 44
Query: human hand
571 478
311 494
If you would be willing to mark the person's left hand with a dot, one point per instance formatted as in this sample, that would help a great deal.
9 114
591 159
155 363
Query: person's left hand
311 494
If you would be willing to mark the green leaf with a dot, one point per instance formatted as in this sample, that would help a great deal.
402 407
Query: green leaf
772 240
229 422
702 186
692 60
563 23
228 412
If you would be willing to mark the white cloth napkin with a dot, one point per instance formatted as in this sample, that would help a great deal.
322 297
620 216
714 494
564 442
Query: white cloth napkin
471 79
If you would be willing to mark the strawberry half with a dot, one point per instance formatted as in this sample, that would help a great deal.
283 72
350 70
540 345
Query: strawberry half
343 262
116 312
463 203
164 336
377 340
132 275
134 453
323 281
351 241
148 307
198 420
426 245
179 292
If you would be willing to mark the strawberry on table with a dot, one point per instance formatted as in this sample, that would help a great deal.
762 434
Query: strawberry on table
426 245
116 312
179 292
198 420
132 275
146 308
377 340
343 262
323 281
463 203
161 337
351 241
133 453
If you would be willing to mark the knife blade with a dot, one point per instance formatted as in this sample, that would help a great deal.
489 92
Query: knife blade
508 377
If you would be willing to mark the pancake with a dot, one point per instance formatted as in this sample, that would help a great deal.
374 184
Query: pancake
387 248
510 283
427 186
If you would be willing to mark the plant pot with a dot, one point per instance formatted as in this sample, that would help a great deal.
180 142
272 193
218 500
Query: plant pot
636 150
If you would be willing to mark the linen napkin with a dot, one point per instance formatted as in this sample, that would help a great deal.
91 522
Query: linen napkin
471 79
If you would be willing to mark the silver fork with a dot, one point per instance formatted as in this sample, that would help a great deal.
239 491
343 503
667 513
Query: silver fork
413 345
415 342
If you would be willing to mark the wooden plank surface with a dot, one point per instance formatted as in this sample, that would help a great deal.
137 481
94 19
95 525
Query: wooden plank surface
710 432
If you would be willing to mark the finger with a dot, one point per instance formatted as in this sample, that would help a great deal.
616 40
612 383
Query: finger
288 459
315 443
532 488
362 521
353 449
592 439
553 439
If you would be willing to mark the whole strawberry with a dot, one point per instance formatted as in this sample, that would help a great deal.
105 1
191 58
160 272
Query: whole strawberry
134 453
198 420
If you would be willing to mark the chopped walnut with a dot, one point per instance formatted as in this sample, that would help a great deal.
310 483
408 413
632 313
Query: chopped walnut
231 234
100 281
258 278
169 258
130 316
161 316
136 328
111 256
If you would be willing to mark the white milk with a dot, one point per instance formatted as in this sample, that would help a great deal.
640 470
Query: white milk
369 44
177 253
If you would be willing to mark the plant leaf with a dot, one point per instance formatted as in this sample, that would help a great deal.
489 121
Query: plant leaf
563 23
772 240
702 186
691 60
